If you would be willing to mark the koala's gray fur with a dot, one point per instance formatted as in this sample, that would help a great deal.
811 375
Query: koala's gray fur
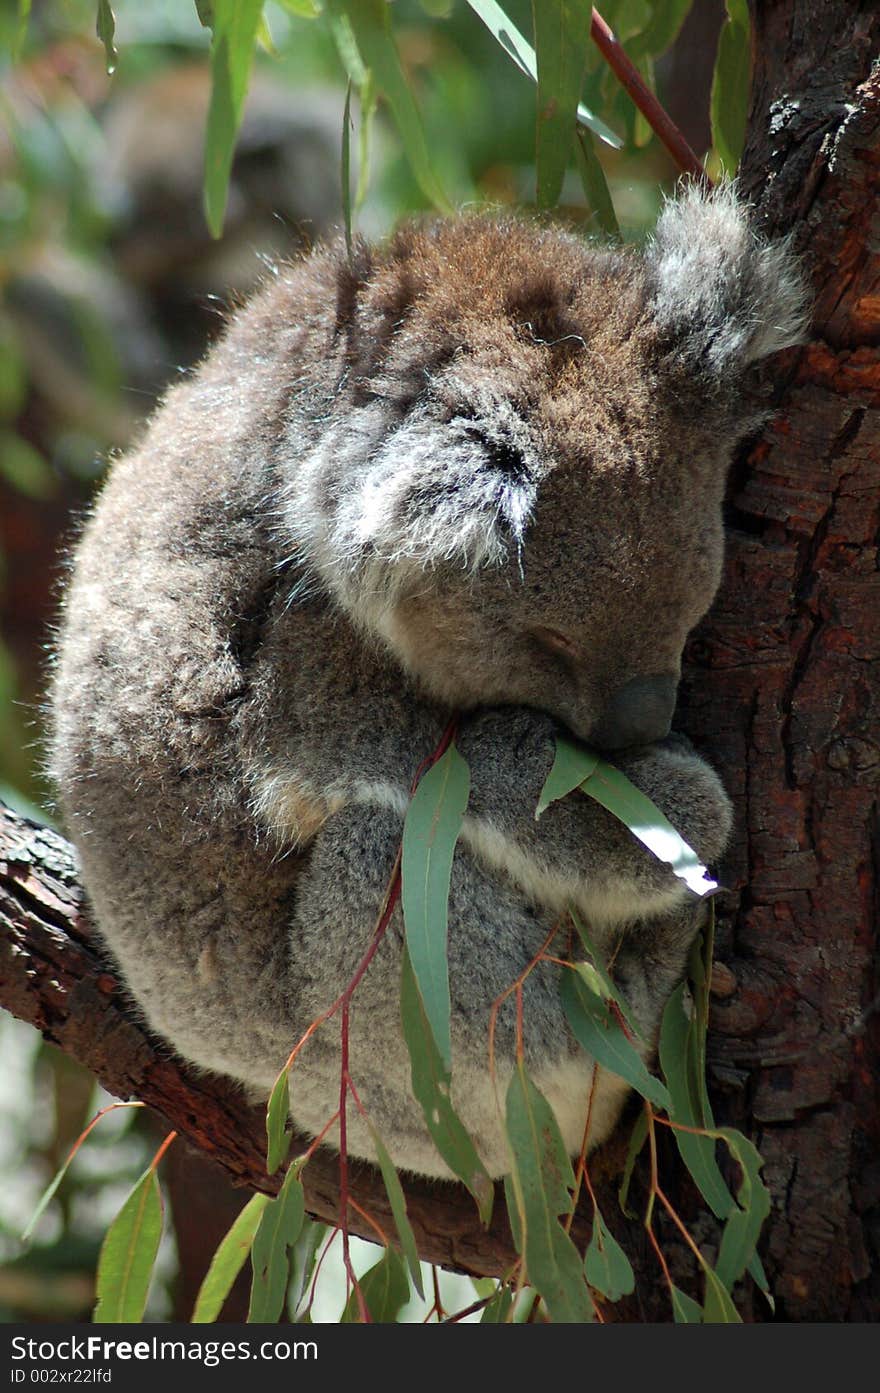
480 469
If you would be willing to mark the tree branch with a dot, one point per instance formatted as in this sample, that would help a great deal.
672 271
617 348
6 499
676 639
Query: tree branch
54 975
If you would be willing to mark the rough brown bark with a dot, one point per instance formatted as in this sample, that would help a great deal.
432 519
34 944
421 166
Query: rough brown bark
780 690
782 685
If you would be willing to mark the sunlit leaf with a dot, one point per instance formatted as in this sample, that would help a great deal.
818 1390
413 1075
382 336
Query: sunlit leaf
385 1290
541 1181
431 1088
105 28
520 50
303 9
615 792
128 1255
227 1262
370 22
599 1033
397 1200
277 1119
562 32
730 85
234 25
606 1265
278 1230
430 831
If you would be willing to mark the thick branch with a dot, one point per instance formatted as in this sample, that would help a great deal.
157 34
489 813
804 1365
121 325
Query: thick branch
53 975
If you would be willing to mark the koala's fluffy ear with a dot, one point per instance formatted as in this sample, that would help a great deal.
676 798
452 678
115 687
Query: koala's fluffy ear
374 506
725 296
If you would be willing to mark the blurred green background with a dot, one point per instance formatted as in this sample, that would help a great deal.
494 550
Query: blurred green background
110 286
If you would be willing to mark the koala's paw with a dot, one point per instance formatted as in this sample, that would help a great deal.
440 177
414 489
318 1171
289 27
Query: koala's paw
687 790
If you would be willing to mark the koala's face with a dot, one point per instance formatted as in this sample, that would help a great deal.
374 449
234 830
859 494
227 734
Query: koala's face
509 493
586 613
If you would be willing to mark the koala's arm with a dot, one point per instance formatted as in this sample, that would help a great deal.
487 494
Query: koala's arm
317 760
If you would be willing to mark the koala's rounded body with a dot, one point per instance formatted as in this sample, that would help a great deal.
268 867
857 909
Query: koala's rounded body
477 470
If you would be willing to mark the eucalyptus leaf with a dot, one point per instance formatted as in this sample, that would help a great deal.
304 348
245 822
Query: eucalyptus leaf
572 764
541 1180
615 792
637 1138
605 987
227 1262
697 1152
499 1308
105 28
385 1290
234 26
128 1255
431 1088
595 186
606 1265
685 1310
370 22
562 33
730 85
718 1308
430 831
600 1034
277 1119
278 1229
505 32
397 1200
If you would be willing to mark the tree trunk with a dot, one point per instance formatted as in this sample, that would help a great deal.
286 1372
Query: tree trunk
782 684
780 691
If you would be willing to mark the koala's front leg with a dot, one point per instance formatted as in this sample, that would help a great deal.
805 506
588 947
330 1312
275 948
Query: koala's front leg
578 851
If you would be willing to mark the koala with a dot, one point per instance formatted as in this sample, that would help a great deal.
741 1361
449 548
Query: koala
477 470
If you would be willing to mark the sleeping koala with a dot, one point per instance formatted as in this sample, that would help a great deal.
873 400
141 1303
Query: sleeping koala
477 470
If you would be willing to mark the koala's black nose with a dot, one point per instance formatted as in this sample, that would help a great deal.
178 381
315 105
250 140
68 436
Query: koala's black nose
638 712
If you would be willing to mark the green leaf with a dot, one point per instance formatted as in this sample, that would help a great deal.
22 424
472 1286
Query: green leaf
234 25
430 831
697 1152
105 28
24 14
277 1119
596 185
278 1230
562 33
520 50
345 168
730 86
128 1255
541 1180
370 22
661 31
228 1261
606 1265
615 792
637 1138
397 1200
572 764
601 983
685 1310
718 1309
385 1290
743 1227
303 9
600 1034
498 1310
431 1088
